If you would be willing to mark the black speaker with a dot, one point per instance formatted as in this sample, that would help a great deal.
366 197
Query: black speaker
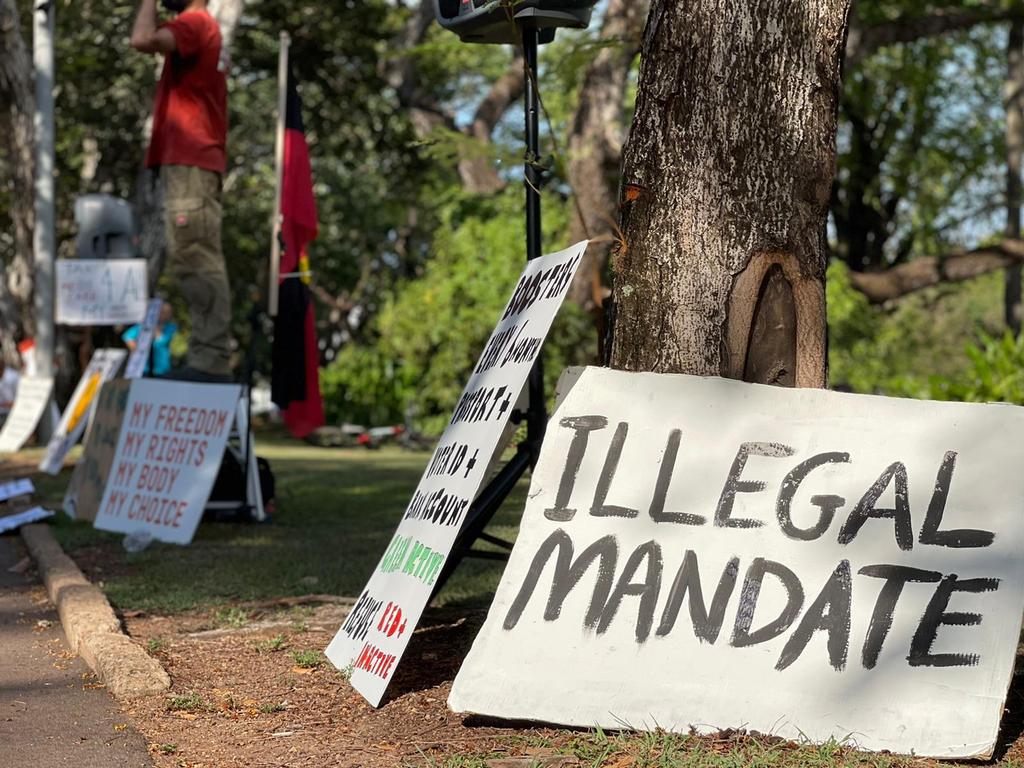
501 21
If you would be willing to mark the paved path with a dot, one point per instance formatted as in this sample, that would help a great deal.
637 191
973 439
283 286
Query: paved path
49 714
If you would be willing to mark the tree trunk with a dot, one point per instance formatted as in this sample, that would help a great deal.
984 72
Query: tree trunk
17 104
595 142
1014 97
726 182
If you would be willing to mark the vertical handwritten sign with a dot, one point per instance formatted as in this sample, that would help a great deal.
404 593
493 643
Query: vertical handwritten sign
89 479
376 632
31 400
101 291
103 366
144 341
168 453
704 553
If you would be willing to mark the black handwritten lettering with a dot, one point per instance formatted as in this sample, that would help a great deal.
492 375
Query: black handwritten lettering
733 484
866 508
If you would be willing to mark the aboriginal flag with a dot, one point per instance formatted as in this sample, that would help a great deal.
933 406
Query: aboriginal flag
295 384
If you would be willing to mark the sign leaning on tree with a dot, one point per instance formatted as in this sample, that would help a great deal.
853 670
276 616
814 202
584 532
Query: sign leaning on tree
700 552
371 641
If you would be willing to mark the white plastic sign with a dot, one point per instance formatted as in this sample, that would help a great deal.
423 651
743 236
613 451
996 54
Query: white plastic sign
376 632
31 400
104 366
168 453
703 553
101 291
144 341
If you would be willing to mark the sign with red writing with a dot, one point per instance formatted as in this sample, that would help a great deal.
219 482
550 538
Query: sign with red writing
168 452
376 632
698 553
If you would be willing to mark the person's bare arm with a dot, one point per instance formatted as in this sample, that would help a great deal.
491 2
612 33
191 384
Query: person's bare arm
145 35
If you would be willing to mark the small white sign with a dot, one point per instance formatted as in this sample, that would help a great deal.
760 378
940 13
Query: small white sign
104 366
144 341
101 291
34 515
15 488
168 453
32 398
376 632
708 554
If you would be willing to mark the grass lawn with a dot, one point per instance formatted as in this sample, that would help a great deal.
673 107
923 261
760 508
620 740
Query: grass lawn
337 509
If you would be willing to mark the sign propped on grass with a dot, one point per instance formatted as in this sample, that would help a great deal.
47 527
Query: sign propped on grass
169 449
371 641
103 366
703 553
31 400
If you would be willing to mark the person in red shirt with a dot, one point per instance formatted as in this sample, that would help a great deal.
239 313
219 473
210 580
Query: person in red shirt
188 147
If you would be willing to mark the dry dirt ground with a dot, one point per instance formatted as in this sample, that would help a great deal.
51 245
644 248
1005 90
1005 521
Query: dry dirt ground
262 695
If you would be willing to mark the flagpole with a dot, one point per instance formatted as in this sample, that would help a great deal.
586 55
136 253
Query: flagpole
275 228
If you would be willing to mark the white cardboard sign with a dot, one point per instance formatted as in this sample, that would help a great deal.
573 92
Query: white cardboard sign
144 341
31 400
168 453
101 291
103 366
376 632
697 552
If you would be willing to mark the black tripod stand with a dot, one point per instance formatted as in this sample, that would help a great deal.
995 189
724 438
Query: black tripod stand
489 500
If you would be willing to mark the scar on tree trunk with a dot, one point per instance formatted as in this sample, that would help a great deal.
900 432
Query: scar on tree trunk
774 324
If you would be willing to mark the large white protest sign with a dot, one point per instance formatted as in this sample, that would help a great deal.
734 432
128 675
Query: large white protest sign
144 341
103 366
101 291
376 632
704 553
32 398
168 453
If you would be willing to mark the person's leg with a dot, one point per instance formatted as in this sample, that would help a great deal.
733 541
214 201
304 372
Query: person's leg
195 258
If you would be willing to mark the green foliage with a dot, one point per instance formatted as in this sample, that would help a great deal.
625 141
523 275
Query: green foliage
308 659
937 343
427 338
189 702
995 374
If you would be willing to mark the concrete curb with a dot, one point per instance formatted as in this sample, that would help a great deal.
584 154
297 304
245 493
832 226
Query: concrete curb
92 629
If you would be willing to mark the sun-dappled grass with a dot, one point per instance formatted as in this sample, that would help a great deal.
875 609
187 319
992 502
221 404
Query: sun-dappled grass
337 509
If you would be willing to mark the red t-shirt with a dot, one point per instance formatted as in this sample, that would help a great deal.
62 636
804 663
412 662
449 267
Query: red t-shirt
190 116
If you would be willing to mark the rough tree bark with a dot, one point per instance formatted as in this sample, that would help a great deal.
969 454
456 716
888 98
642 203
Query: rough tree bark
17 104
1013 93
726 183
595 142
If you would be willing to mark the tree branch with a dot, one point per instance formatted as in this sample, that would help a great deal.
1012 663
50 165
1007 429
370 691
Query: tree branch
863 40
896 282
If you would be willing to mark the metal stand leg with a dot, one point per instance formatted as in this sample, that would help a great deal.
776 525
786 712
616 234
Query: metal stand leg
489 500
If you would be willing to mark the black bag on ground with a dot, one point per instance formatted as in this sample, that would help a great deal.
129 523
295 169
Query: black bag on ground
230 485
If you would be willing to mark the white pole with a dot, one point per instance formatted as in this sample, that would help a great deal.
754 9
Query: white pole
43 239
275 228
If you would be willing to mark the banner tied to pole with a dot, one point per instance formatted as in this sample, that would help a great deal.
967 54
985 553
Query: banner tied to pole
703 553
376 632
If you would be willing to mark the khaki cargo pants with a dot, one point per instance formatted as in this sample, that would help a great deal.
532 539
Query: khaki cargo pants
195 259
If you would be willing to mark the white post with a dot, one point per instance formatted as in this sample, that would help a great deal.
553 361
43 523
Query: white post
275 227
43 239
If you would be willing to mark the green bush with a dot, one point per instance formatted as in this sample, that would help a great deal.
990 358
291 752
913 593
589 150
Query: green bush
426 339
